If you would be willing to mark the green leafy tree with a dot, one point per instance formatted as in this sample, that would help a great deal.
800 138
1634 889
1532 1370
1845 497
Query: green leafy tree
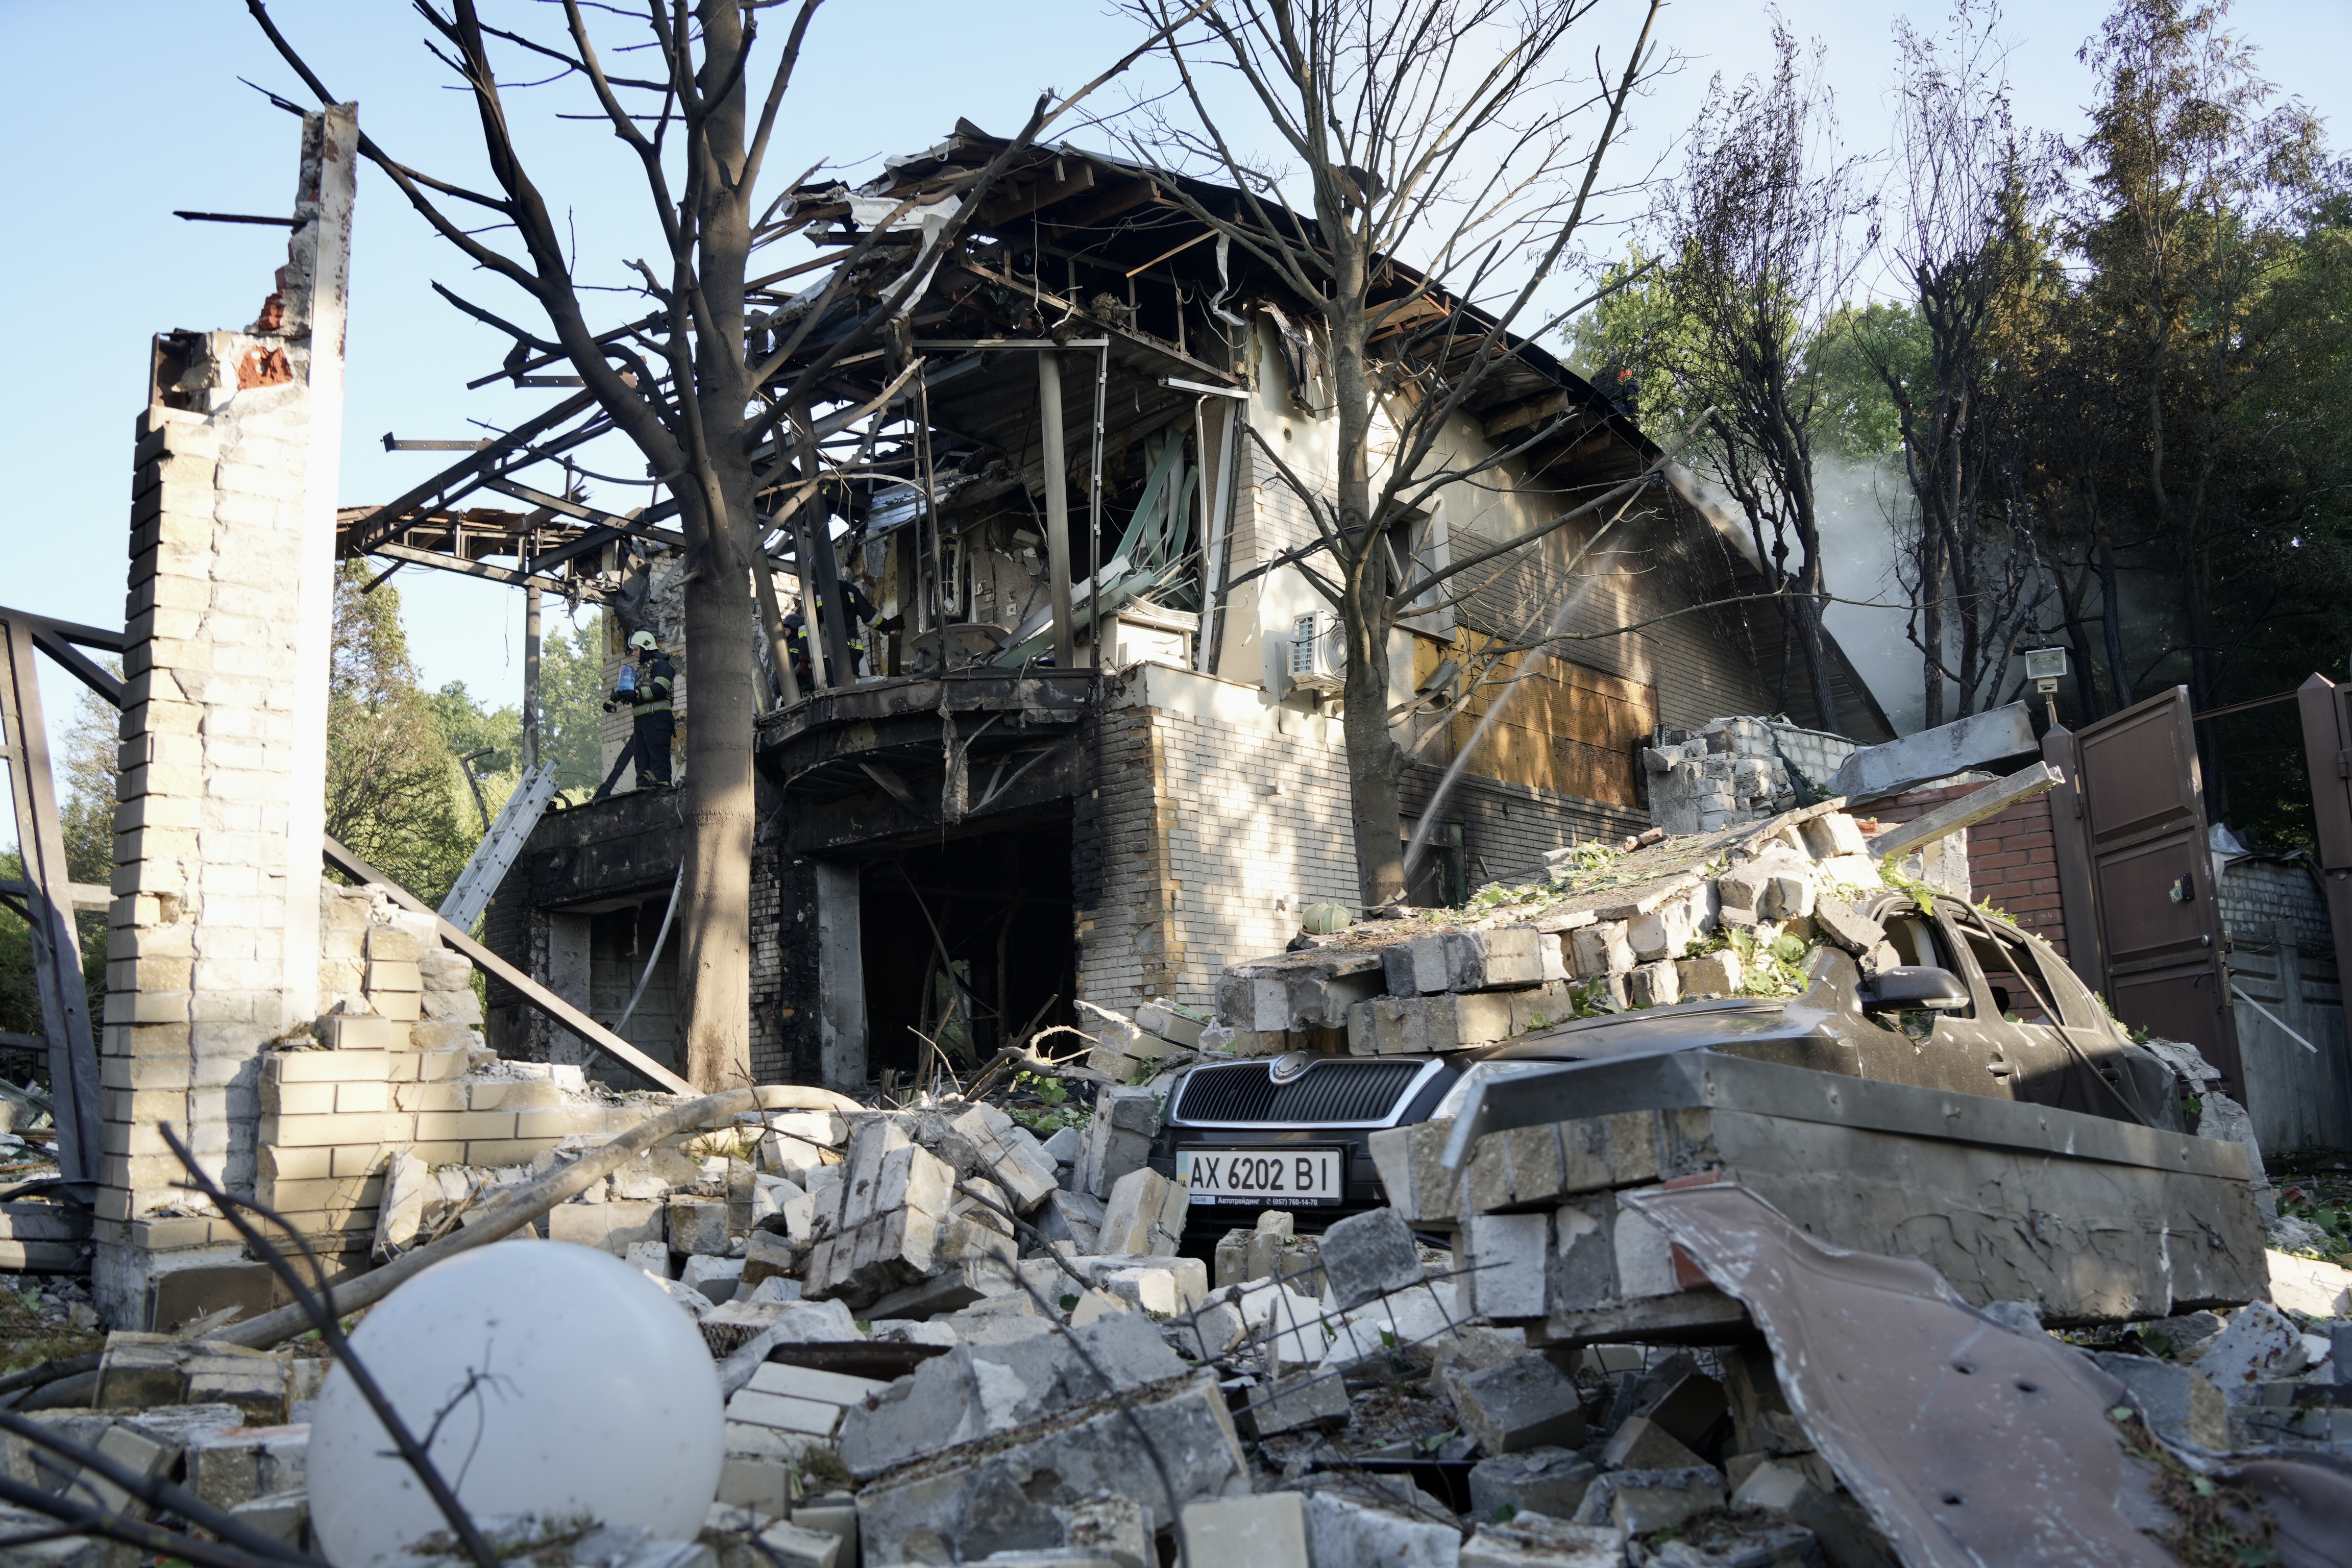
394 793
572 697
2203 445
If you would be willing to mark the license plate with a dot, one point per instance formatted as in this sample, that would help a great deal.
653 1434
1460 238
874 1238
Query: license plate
1266 1178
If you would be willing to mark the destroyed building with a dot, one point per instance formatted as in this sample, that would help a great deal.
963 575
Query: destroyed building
972 826
1775 1314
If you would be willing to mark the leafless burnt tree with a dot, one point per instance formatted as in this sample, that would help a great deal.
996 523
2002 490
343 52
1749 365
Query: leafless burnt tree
1962 231
1420 173
1757 230
696 384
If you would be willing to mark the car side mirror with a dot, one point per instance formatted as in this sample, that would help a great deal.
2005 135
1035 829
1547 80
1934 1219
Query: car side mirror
1895 990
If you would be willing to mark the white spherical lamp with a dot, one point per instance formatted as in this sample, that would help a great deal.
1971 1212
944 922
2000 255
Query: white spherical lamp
566 1384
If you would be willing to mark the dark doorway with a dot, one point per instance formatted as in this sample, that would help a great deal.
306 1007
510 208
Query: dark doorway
620 950
999 904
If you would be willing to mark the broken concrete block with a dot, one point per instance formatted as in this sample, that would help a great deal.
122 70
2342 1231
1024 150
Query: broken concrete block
1710 975
254 1383
767 1255
2179 1404
716 1278
1545 1480
1690 1410
967 1505
1154 1290
614 1225
1538 1540
696 1225
1413 1178
787 1543
1524 1404
985 1142
1506 1254
1411 1327
1601 948
1369 1255
764 1488
1072 1216
400 1212
1296 1403
2262 1344
282 1516
1642 1444
1268 1530
1113 1531
1846 927
1343 1531
1118 1138
1642 1501
138 1371
1178 1025
895 1208
1663 931
1981 739
785 1156
1144 1213
1833 833
1654 985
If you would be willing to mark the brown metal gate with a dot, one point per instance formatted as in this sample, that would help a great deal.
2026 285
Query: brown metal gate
2136 831
2327 710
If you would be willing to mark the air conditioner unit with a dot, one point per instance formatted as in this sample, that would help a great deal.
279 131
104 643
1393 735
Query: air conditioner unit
1318 655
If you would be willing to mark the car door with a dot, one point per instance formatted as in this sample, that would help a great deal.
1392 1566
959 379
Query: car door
2019 1059
1948 1049
2063 1050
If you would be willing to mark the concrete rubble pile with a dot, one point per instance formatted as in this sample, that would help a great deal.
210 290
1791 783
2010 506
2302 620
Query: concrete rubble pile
940 1344
1649 922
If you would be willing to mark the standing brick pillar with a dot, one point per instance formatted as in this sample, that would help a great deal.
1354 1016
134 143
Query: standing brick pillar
213 949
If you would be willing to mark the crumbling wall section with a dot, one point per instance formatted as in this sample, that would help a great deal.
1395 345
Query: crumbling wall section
1217 821
213 934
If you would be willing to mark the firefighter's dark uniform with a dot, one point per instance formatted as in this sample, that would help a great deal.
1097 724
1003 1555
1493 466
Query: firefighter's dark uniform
655 724
796 635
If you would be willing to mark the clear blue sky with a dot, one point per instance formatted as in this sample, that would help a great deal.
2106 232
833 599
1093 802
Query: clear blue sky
101 156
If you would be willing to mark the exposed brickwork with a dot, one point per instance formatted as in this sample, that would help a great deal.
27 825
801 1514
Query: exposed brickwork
2012 858
1207 840
1507 827
2257 893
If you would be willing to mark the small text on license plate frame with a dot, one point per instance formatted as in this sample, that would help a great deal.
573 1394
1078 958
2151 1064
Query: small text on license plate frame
1279 1176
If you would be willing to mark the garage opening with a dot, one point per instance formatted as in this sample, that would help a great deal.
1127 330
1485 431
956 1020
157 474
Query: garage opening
968 945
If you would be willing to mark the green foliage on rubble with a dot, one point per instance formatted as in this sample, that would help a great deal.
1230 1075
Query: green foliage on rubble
1921 893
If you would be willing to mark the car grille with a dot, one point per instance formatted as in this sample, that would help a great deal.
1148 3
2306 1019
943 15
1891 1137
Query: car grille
1328 1092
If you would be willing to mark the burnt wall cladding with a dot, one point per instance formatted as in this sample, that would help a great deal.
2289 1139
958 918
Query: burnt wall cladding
2012 858
630 844
784 1043
1507 827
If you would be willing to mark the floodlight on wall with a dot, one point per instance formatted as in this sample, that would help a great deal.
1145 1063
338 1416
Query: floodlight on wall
2046 667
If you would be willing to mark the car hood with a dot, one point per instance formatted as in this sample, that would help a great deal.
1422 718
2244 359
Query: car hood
1742 1026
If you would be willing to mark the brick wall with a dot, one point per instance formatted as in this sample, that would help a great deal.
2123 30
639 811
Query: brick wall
2012 859
1219 819
1204 841
1507 827
213 936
